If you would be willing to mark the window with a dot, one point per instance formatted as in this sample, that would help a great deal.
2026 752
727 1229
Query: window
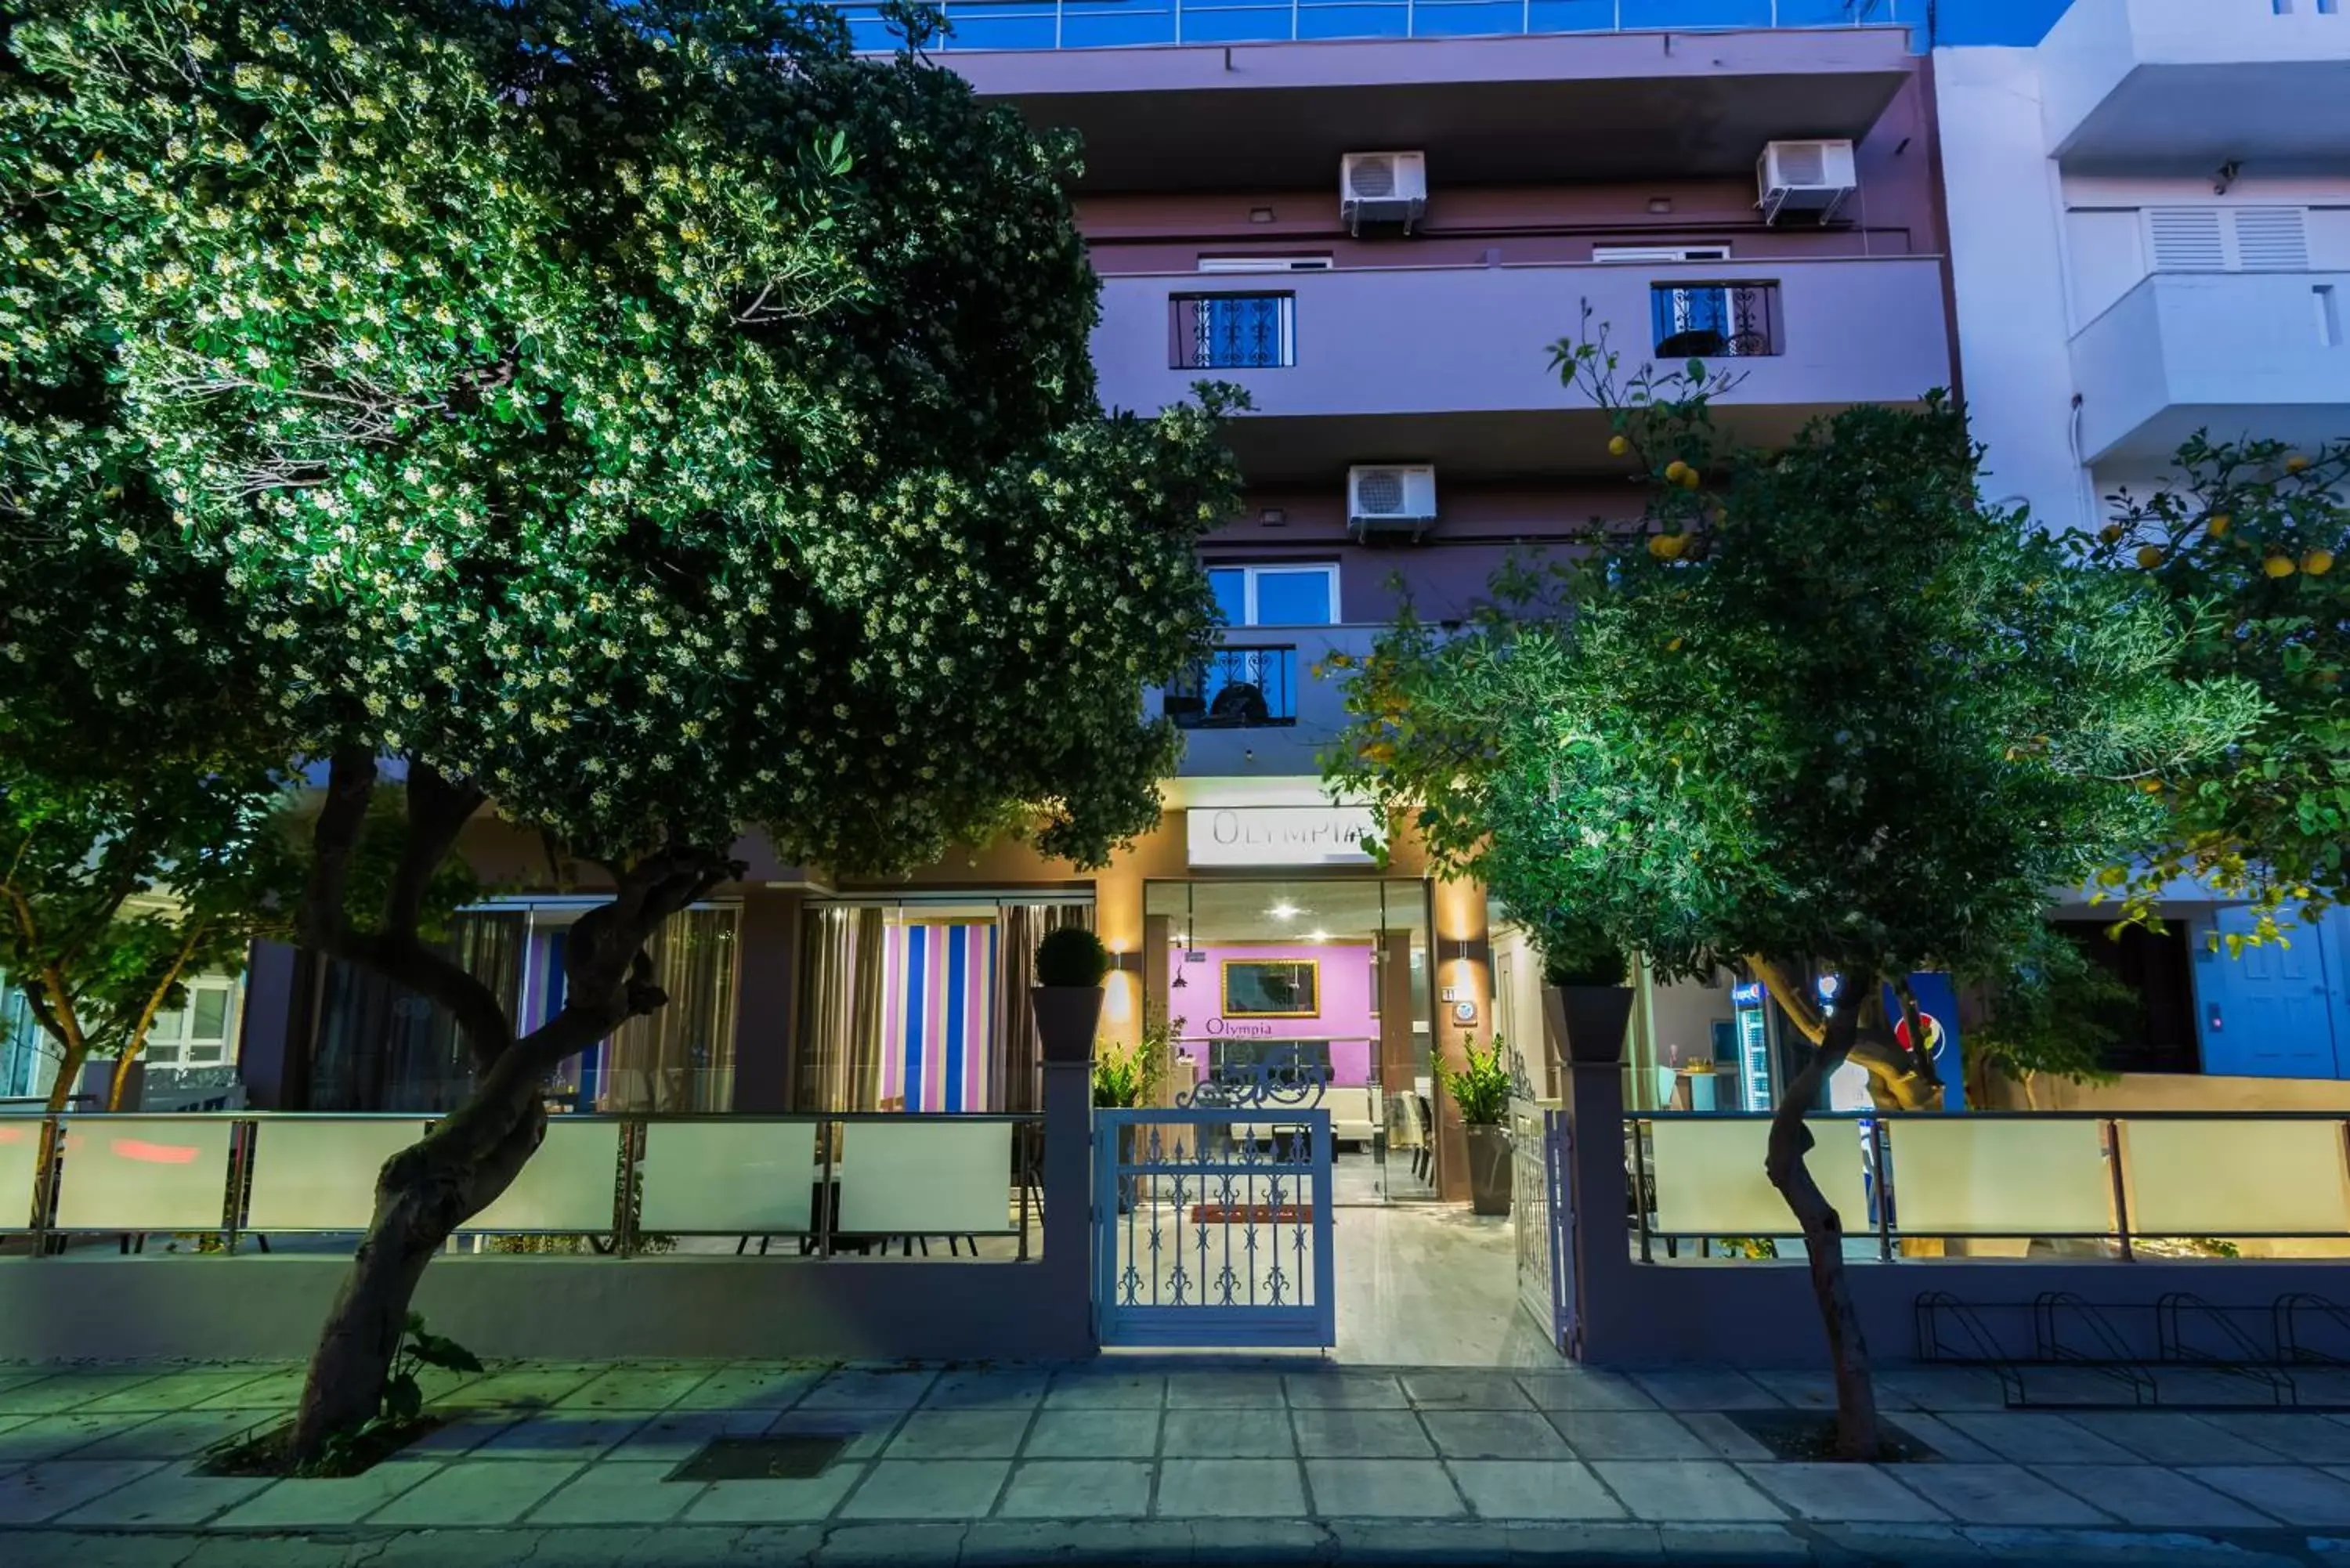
1264 264
1276 596
1659 253
200 1032
1232 331
1715 320
1236 689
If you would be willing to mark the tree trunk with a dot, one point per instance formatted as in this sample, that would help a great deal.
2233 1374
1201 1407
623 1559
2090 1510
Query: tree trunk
137 1042
1823 1228
423 1194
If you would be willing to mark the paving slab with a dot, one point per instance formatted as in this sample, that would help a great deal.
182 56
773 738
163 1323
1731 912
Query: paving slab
175 1435
646 1388
929 1488
477 1493
769 1501
2303 1440
41 1492
1230 1488
1227 1434
1871 1494
750 1386
1252 1390
929 1434
1089 1434
1942 1388
1717 1388
180 1390
1584 1391
1532 1488
1704 1491
1627 1435
679 1435
869 1388
1383 1489
531 1385
1348 1433
1077 1489
1945 1439
1494 1435
1345 1391
2150 1495
1817 1391
67 1391
168 1496
2294 1493
1107 1390
560 1434
1723 1438
2173 1437
36 1438
298 1505
994 1388
867 1432
1999 1495
1443 1388
2039 1438
280 1389
618 1493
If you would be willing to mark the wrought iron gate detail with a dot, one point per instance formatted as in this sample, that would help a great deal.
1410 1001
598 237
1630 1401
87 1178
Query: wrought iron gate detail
1211 1226
1543 1215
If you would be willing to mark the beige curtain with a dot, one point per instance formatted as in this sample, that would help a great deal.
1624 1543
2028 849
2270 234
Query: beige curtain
836 1060
680 1057
1016 1080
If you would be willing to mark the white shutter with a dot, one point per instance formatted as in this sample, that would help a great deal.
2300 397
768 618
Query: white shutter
2186 239
2228 239
2271 239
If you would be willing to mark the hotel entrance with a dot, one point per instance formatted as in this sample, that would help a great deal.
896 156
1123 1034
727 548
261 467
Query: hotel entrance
1299 979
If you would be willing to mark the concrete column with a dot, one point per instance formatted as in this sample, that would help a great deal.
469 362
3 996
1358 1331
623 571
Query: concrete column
1069 1203
1117 920
767 961
1598 1191
1461 962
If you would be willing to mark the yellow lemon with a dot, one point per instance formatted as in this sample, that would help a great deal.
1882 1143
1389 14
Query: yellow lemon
1668 546
1674 646
2217 526
2278 566
2317 563
2150 557
2151 787
2295 463
1674 470
1617 446
2111 532
1689 479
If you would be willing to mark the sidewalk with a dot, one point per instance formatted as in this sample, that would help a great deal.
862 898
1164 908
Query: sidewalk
1156 1461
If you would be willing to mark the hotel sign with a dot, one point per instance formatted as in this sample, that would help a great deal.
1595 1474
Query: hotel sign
1282 835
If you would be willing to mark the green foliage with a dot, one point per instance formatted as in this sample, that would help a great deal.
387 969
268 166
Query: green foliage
1577 953
2056 1012
651 413
403 1398
1480 1087
1129 1075
1073 955
1814 704
2241 542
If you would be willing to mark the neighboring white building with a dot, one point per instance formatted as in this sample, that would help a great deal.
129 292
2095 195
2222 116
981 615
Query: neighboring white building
2150 234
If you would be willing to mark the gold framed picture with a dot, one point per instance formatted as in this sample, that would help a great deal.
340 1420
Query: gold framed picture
1271 988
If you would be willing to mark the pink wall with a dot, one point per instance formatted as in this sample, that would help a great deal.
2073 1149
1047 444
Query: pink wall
1345 1018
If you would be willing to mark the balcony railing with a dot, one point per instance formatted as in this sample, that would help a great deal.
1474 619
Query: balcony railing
1109 24
1232 331
1714 320
1236 689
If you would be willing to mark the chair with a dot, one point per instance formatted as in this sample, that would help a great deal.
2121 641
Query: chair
1423 1163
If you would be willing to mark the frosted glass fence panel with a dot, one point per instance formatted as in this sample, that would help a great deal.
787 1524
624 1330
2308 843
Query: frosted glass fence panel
750 1177
2236 1178
144 1173
937 1177
20 1153
569 1184
1957 1176
320 1175
1709 1179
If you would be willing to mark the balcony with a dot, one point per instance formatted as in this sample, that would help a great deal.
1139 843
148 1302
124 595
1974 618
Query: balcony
1255 706
1452 365
1232 331
2259 353
2134 81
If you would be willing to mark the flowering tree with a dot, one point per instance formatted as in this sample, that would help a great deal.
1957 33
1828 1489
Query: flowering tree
1815 706
2242 541
644 419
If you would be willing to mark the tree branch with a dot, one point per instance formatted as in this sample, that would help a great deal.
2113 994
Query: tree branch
137 1040
1800 1010
438 811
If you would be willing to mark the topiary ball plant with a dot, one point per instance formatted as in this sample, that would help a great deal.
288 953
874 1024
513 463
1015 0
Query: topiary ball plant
1071 956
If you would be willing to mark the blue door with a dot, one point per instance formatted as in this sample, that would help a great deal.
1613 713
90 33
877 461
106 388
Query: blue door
2269 1012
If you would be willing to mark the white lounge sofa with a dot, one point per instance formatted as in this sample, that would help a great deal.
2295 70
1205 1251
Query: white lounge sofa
1354 1113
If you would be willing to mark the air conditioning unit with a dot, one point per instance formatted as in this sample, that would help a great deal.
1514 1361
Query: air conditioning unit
1382 187
1805 181
1389 502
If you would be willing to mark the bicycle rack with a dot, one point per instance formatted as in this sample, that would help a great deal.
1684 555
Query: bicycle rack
1933 1308
2108 1358
2174 1312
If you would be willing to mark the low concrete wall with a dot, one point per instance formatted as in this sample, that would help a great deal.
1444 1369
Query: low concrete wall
579 1308
1745 1314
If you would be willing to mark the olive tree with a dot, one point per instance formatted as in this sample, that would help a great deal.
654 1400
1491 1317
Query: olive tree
1817 707
642 420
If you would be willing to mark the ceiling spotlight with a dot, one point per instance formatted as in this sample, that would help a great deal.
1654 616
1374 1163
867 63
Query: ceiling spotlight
1283 910
1318 936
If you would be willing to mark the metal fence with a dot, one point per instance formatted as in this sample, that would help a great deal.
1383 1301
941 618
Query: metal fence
1113 24
1714 320
2117 1183
1236 689
1232 331
827 1185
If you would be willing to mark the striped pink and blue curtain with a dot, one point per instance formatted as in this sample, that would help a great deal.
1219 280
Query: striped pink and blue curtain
938 1011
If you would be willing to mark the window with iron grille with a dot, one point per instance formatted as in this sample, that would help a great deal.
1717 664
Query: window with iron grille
1232 331
1714 320
1236 689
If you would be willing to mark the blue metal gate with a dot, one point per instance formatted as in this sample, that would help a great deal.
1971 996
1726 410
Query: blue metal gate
1211 1222
1543 1214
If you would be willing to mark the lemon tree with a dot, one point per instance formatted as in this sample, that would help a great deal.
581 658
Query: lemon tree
1848 717
641 419
2242 541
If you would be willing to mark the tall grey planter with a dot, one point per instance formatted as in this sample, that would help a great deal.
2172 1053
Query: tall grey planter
1066 1017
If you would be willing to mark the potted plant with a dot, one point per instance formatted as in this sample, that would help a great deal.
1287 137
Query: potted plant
1585 1001
1480 1091
1129 1077
1067 995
